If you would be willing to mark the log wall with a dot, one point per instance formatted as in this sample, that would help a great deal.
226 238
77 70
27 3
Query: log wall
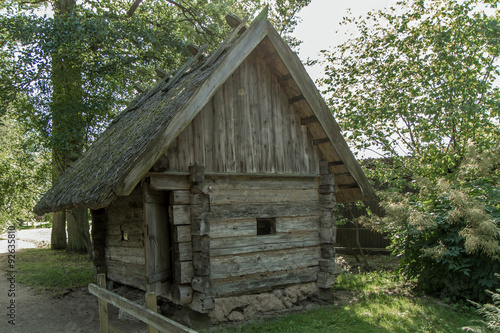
249 126
124 251
243 261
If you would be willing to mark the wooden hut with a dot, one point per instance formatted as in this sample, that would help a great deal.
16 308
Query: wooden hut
219 181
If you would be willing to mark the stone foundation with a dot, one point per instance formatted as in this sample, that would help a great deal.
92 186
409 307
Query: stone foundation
237 308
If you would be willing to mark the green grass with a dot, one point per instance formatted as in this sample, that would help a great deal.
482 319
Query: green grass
55 271
375 302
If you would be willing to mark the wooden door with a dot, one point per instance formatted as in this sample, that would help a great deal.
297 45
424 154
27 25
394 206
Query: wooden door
157 241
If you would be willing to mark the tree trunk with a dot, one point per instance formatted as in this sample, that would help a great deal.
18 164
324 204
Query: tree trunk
58 234
68 124
78 231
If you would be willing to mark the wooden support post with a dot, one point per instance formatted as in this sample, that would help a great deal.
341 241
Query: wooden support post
327 228
140 312
202 284
99 239
151 305
103 305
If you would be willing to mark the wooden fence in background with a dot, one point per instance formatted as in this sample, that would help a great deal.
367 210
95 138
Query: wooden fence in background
346 234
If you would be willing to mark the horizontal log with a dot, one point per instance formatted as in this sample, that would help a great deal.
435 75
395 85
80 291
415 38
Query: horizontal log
154 319
129 279
261 181
130 228
263 243
180 214
182 293
126 215
133 241
183 272
240 195
233 228
263 283
180 197
169 182
156 199
183 251
270 210
126 268
182 233
297 224
129 255
264 262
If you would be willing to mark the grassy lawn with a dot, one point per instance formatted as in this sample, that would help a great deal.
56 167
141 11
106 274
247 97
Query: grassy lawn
54 271
369 302
364 302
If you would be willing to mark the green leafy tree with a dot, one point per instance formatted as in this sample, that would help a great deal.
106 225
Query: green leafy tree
24 171
78 67
419 80
419 85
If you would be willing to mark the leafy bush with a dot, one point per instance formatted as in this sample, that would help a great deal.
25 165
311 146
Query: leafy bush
489 311
447 232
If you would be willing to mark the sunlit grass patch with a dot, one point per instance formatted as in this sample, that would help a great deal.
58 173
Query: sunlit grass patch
46 269
373 282
382 302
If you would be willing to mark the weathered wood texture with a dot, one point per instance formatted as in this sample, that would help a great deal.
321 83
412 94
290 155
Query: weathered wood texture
327 227
99 239
124 251
151 318
157 240
248 126
242 261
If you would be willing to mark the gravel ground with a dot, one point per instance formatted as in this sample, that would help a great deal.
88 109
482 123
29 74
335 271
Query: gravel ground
25 310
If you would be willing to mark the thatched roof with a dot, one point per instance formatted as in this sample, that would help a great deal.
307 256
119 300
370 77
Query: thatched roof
130 146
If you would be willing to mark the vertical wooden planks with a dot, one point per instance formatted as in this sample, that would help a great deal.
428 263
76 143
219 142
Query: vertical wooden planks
249 126
229 135
157 238
219 121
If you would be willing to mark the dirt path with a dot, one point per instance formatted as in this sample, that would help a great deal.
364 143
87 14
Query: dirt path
24 310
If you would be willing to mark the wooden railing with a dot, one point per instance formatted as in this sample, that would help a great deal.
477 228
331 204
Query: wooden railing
156 323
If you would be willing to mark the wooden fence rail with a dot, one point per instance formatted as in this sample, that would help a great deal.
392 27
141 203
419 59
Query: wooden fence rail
149 316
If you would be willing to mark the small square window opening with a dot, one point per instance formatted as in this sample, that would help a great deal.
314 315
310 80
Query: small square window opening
266 226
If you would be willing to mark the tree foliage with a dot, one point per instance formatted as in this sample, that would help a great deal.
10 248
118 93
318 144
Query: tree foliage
24 171
419 84
111 47
419 80
75 64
